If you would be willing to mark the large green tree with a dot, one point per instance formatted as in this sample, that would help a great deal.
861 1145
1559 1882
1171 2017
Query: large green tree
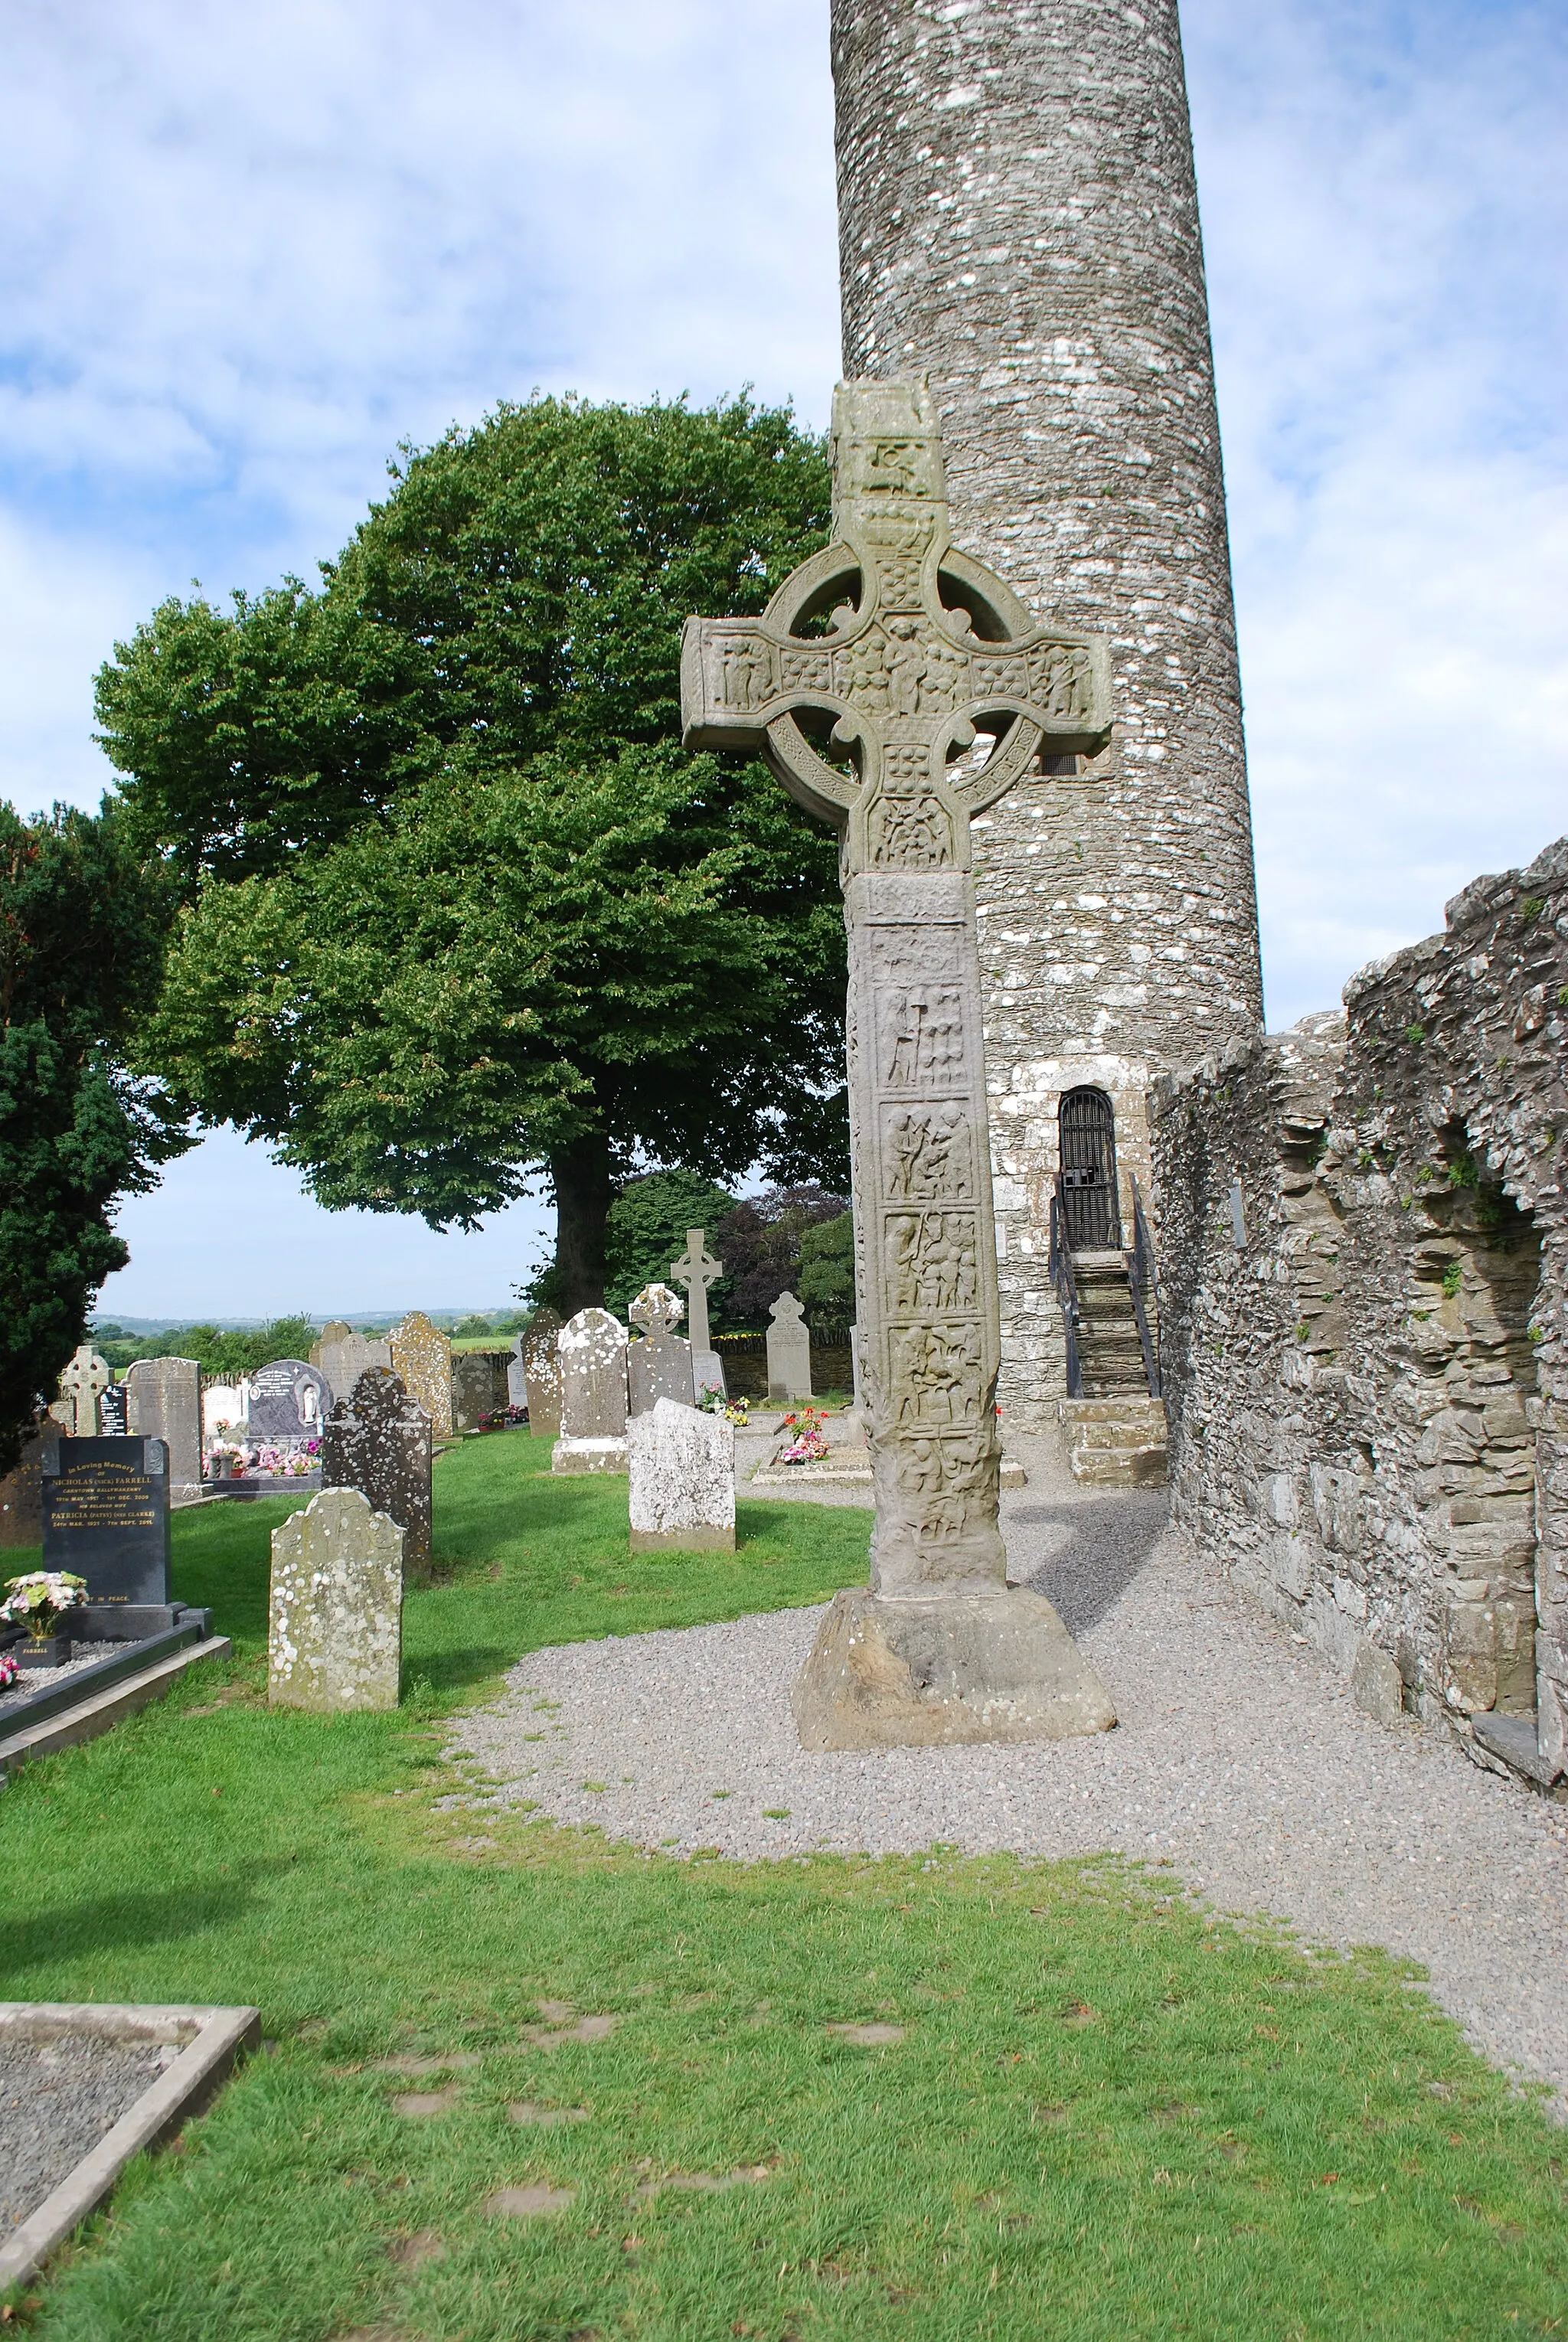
459 912
82 928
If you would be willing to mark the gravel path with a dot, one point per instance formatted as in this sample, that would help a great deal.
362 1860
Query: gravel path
58 2100
1239 1758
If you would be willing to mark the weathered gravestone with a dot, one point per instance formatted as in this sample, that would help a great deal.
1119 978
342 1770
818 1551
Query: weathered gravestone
789 1352
288 1400
927 655
81 1386
517 1373
21 1493
421 1358
591 1347
660 1364
335 1637
105 1515
164 1401
680 1463
542 1374
696 1269
478 1386
343 1355
378 1440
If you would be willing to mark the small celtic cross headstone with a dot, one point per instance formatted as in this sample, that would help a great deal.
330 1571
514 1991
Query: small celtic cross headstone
872 684
83 1383
660 1365
697 1269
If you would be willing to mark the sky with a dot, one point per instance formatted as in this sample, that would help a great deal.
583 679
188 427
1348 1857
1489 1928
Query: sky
248 253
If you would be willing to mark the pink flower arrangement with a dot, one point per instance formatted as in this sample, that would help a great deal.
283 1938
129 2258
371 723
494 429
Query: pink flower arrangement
807 1445
9 1670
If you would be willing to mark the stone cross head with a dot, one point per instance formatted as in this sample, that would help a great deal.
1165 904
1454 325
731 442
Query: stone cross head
696 1269
82 1385
657 1311
786 1311
882 664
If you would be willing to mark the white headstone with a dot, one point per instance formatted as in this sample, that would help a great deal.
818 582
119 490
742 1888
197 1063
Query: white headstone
789 1352
682 1466
591 1347
335 1614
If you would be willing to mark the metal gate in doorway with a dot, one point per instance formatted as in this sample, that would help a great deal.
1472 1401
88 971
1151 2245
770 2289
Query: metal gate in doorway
1088 1136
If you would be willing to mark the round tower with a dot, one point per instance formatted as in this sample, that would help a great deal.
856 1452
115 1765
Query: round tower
1018 221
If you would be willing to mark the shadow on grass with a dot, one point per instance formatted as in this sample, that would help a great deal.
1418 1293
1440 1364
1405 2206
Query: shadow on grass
455 1670
124 1922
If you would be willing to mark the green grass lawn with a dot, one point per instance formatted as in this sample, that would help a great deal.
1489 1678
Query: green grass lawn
1103 2115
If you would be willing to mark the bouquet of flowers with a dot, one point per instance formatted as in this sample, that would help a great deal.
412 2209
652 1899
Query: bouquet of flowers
41 1599
9 1671
226 1452
503 1418
806 1444
734 1410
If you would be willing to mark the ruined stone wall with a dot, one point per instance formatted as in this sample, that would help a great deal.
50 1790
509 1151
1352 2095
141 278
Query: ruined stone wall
1364 1250
1018 220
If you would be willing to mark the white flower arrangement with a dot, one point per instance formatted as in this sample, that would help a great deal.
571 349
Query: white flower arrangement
41 1598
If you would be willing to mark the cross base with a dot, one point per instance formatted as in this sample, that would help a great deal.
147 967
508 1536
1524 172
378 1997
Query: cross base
945 1669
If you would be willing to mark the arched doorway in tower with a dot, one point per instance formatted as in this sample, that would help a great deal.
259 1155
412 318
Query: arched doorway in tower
1088 1157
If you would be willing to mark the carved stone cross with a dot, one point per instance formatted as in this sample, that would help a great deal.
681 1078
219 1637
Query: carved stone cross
896 687
83 1383
696 1269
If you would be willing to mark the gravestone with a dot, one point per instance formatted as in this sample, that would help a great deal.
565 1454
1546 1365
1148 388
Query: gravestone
542 1374
223 1409
378 1440
660 1364
333 1330
928 656
680 1463
591 1347
343 1355
517 1373
81 1386
105 1515
697 1269
21 1493
478 1386
112 1409
789 1352
334 1633
289 1402
422 1359
164 1401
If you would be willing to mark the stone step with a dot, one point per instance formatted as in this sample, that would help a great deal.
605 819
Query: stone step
1116 1440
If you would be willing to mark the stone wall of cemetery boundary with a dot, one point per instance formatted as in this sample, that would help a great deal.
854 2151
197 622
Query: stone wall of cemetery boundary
1018 220
1365 1241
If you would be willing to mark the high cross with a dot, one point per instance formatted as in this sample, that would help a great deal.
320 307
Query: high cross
896 687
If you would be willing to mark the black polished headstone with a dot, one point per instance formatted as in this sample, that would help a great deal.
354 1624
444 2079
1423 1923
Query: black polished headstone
289 1402
107 1516
112 1411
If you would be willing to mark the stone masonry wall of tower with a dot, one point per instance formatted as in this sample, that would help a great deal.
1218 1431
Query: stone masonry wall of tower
1018 220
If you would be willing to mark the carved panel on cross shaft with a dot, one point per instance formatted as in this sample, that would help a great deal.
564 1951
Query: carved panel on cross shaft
935 1260
945 1463
928 1155
921 1029
936 1374
910 831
